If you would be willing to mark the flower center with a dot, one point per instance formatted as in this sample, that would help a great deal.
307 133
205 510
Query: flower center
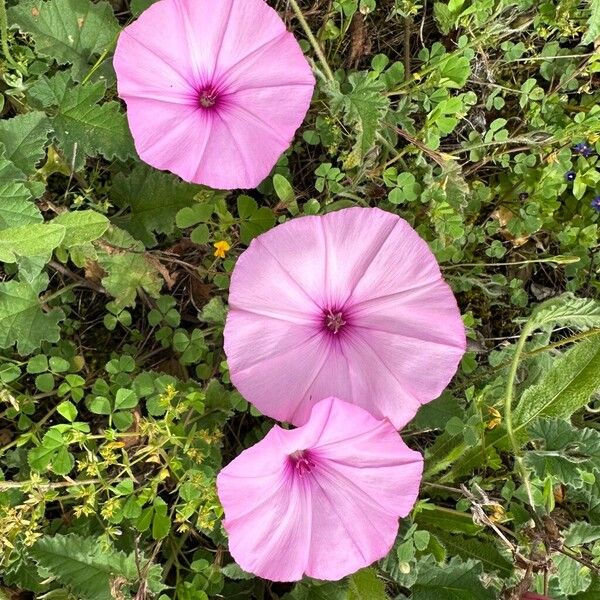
302 462
207 98
334 320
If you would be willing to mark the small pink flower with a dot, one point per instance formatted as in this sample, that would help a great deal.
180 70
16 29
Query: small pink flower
534 596
215 89
321 500
351 304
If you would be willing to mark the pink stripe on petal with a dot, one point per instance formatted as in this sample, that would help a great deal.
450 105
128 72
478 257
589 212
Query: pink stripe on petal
390 329
331 498
221 58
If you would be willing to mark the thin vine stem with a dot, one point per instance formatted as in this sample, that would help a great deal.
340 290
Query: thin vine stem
312 39
4 35
508 402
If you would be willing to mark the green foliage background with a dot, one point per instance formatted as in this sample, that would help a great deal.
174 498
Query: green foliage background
116 410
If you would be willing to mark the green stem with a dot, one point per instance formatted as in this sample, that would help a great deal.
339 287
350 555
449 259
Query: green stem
62 291
559 260
508 401
4 35
312 39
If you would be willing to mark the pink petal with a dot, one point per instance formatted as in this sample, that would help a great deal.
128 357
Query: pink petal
333 517
240 55
402 337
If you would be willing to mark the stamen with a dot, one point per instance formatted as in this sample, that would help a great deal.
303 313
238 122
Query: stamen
207 98
334 321
302 462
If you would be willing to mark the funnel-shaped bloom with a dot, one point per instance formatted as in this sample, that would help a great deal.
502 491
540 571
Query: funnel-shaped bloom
351 304
214 89
321 500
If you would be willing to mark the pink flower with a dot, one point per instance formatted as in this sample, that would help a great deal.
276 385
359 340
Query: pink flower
534 596
351 304
321 500
215 89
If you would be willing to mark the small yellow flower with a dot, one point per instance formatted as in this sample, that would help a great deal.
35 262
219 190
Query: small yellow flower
495 420
221 248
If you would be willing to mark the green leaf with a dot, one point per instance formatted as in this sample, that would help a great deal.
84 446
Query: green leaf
566 311
564 388
153 198
68 31
15 206
362 109
456 580
83 564
24 138
125 399
593 30
68 410
253 220
565 452
161 522
81 125
128 268
36 239
81 227
365 585
478 549
22 320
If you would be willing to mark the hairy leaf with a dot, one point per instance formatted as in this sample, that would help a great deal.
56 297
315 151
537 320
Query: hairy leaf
593 31
81 227
15 206
83 565
365 585
22 320
153 198
36 239
456 580
69 31
566 311
565 451
127 267
362 109
478 549
81 125
565 387
24 138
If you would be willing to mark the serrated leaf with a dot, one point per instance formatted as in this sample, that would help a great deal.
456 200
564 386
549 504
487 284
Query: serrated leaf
24 138
362 109
572 577
127 267
565 387
22 320
81 227
69 31
456 580
593 24
36 239
566 311
15 206
83 564
565 451
81 125
365 585
153 198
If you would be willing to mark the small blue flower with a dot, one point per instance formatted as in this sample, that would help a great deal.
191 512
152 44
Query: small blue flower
595 203
570 175
583 149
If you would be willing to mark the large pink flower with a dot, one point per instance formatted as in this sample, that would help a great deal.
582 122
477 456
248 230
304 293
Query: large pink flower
321 500
215 89
350 304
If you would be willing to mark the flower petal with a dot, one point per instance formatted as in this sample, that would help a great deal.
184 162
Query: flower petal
402 335
326 520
